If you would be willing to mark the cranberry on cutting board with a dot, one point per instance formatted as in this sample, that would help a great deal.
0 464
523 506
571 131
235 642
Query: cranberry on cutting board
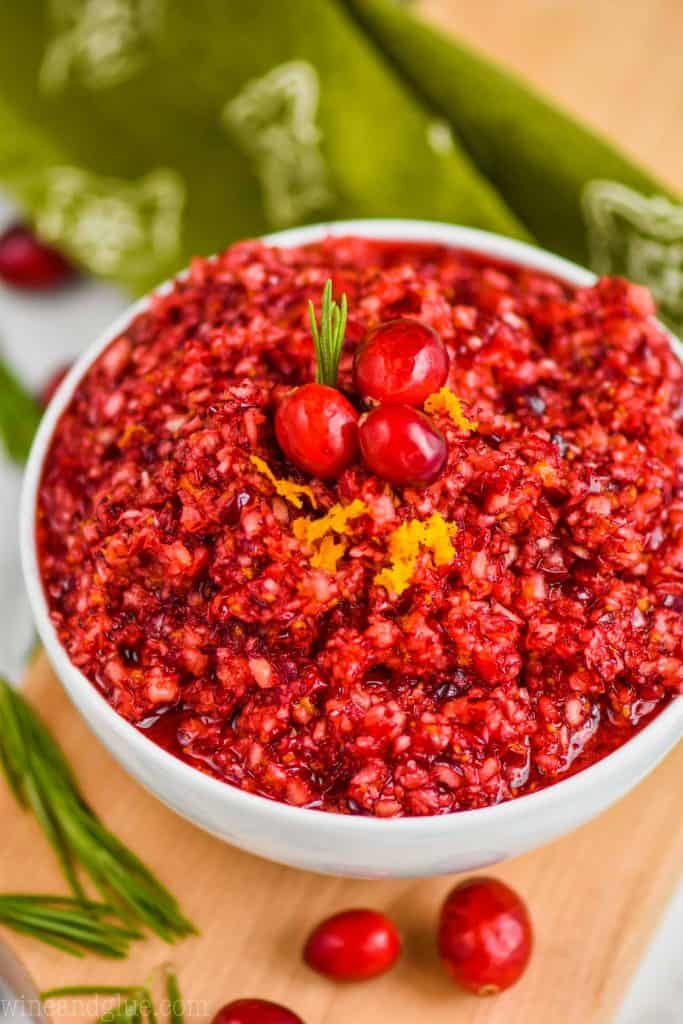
354 945
485 935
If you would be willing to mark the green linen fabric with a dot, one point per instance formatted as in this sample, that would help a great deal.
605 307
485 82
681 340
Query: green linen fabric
539 159
138 133
176 127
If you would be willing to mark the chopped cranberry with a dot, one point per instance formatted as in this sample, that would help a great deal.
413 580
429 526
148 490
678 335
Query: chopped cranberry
317 429
51 385
26 262
179 586
401 361
402 445
485 935
353 946
255 1011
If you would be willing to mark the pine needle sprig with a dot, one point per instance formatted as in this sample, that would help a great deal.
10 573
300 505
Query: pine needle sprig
173 997
71 925
42 782
64 991
135 1005
328 337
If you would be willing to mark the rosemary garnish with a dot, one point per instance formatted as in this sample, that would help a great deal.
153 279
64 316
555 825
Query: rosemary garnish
173 997
73 926
42 782
135 1005
329 337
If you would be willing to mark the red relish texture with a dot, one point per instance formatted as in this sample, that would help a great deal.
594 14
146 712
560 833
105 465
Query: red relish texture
178 586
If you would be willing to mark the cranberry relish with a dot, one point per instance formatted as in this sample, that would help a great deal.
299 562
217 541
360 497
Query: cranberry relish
180 588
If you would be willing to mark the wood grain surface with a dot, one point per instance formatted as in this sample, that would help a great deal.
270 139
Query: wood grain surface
614 63
595 897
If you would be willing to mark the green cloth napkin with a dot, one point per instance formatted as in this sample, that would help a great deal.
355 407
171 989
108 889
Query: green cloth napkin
137 133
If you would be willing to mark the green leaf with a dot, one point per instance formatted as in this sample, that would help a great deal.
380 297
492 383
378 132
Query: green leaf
19 415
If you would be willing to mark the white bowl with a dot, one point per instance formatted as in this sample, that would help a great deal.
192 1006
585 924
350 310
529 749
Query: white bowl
315 840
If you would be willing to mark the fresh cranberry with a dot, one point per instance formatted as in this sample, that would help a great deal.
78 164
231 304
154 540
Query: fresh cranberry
51 384
26 262
485 935
402 445
255 1011
317 429
401 361
353 946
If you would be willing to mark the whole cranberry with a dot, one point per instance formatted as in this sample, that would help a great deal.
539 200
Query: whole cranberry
485 935
51 384
353 946
402 445
255 1011
401 361
26 262
317 429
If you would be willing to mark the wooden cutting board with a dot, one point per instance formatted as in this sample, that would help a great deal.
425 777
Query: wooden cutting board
595 897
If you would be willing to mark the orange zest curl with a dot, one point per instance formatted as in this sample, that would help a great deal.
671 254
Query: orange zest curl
319 533
405 544
447 401
287 489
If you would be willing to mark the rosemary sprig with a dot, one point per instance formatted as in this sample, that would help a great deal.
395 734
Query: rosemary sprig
135 1006
19 415
73 926
173 997
91 990
328 338
42 782
129 1011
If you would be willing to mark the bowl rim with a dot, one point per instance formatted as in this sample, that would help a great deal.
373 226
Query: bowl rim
650 744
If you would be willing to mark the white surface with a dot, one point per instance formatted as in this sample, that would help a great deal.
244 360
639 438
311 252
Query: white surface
38 331
657 993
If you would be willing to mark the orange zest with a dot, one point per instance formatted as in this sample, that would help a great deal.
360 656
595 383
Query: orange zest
319 533
405 544
447 401
328 554
287 489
